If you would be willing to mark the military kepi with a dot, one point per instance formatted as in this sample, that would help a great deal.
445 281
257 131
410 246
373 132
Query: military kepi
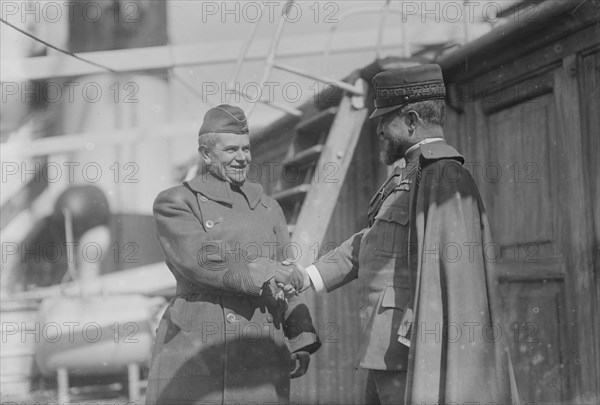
396 88
224 119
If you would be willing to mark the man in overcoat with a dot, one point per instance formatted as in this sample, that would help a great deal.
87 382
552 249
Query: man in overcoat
430 328
228 336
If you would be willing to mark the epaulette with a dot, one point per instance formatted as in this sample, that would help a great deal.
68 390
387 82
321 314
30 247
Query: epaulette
384 192
440 150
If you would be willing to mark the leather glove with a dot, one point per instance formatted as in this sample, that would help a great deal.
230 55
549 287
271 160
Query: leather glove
299 363
271 289
288 273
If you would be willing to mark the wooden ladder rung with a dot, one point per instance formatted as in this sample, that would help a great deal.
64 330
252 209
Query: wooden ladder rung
306 156
291 193
317 122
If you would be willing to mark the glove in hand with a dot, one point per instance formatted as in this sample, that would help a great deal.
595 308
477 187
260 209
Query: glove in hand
299 364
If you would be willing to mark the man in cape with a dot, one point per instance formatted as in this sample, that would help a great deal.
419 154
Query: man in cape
430 328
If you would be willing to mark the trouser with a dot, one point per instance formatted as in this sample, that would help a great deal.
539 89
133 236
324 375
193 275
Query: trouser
385 387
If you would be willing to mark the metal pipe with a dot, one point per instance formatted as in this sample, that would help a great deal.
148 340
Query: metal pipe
133 379
271 55
338 83
349 13
380 29
69 240
62 382
406 52
244 53
282 107
155 58
465 23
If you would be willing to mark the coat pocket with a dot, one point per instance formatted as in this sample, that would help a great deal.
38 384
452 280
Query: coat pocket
395 297
400 299
391 227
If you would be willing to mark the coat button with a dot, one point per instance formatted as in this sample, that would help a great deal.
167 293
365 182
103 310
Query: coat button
203 199
230 318
209 224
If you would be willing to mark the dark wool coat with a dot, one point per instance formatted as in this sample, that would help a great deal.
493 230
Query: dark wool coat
432 220
225 338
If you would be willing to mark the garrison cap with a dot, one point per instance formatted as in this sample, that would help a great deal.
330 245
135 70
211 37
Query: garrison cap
396 88
224 119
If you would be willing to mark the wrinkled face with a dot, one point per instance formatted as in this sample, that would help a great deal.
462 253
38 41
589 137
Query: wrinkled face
229 158
393 130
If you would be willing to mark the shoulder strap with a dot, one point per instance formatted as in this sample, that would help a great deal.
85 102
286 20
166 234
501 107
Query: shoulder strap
384 192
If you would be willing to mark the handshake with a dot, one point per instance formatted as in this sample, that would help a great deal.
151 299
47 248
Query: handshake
291 278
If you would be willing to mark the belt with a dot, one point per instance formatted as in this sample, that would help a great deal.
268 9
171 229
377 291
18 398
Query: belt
197 290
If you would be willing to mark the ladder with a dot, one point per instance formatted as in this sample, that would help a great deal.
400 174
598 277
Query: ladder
315 167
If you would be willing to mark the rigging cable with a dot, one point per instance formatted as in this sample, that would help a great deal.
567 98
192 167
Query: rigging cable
104 67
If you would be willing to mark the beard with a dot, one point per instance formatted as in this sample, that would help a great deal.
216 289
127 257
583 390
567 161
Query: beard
394 150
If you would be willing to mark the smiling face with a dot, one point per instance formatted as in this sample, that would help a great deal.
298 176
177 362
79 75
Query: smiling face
228 158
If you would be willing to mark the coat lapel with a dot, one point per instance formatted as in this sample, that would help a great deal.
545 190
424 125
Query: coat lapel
221 191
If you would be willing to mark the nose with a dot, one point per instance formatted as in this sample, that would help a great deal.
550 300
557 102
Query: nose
380 128
242 156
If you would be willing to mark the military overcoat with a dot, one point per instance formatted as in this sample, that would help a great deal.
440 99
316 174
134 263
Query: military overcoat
225 337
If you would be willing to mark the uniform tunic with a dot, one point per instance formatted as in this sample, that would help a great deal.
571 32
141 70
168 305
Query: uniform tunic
419 290
378 257
225 337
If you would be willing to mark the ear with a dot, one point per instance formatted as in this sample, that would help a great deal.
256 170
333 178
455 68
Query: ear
412 119
205 154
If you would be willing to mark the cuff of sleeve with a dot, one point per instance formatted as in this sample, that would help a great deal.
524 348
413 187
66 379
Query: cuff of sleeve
260 271
316 279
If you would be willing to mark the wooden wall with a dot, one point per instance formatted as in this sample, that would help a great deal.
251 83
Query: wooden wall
525 115
590 105
337 312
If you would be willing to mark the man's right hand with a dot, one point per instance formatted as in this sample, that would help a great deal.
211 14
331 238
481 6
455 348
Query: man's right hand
288 273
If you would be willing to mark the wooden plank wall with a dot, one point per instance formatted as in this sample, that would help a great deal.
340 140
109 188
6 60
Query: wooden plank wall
532 147
590 104
337 312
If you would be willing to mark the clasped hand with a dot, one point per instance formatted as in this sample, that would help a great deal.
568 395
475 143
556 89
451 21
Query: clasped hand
291 278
